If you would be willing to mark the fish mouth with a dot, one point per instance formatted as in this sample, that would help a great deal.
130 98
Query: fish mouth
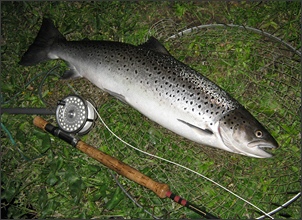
262 145
262 149
267 148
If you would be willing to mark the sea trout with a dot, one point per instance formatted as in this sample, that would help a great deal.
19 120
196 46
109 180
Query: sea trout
159 86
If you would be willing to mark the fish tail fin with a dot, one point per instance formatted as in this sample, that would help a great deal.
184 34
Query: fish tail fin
39 50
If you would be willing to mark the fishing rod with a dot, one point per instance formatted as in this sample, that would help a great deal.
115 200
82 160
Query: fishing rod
162 190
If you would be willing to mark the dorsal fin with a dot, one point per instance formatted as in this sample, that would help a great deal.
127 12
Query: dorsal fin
155 45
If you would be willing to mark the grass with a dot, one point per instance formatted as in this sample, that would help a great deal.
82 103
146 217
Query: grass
42 177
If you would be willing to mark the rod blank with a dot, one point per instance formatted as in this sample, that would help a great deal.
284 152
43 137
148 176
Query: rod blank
28 111
162 190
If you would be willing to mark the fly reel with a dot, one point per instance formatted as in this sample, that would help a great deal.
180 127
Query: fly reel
75 115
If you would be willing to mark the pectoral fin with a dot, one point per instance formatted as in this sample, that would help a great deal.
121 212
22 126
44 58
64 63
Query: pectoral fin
117 95
197 129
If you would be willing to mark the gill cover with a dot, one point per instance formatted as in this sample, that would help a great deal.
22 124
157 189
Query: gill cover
243 134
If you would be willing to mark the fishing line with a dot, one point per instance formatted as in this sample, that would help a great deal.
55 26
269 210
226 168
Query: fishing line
28 83
179 165
43 81
14 143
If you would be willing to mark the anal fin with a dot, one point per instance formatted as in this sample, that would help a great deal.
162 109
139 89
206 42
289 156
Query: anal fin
71 74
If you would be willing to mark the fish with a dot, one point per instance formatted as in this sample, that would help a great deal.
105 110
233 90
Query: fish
164 89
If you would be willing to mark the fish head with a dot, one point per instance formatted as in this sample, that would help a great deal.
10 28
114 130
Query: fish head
243 134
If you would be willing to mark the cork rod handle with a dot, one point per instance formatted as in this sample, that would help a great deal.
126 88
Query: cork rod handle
160 189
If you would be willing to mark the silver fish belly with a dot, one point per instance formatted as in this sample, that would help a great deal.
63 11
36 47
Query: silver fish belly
162 88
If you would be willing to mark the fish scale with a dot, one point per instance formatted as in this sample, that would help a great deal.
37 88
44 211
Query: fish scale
168 78
180 84
162 88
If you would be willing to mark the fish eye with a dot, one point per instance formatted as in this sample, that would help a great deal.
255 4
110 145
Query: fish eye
258 134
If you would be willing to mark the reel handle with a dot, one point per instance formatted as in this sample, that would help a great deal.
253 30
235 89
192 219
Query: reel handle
160 189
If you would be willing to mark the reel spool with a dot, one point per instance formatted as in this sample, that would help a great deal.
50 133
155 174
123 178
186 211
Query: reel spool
75 115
